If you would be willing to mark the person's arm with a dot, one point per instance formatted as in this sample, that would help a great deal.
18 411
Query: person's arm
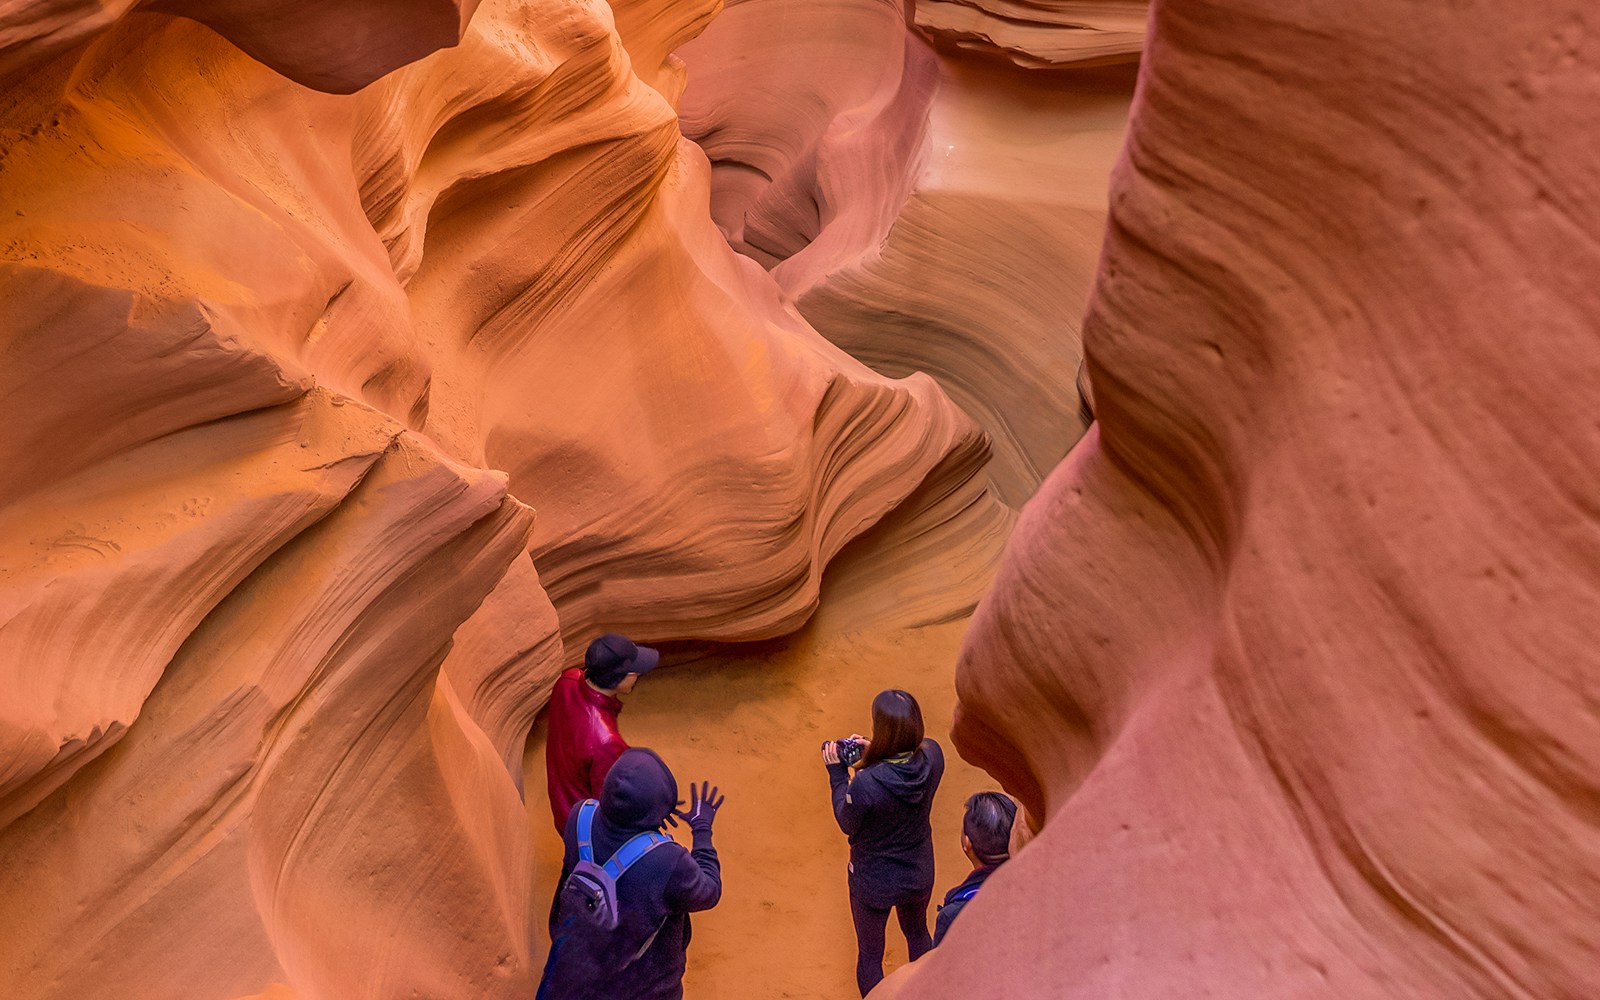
569 861
851 799
941 923
935 752
696 882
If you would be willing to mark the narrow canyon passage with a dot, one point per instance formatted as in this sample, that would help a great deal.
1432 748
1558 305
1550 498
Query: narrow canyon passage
361 362
752 723
895 608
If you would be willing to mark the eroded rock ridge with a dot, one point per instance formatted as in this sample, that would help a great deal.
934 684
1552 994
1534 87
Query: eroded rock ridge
344 404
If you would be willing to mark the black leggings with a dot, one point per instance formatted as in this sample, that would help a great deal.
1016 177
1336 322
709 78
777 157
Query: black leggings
870 924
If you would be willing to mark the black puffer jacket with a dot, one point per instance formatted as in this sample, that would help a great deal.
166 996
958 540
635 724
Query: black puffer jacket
655 896
884 812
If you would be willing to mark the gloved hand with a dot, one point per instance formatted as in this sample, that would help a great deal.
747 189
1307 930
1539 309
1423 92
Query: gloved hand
672 817
703 805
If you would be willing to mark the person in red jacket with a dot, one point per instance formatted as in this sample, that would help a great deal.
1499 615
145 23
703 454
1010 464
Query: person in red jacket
584 740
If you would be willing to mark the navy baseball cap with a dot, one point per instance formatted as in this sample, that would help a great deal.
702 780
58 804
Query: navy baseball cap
614 656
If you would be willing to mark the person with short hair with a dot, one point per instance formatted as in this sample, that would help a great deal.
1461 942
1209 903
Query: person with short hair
642 957
884 811
584 739
986 841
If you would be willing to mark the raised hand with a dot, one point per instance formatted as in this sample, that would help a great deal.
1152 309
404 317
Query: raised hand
703 805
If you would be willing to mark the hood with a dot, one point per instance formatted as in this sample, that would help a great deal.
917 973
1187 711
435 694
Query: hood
908 780
639 791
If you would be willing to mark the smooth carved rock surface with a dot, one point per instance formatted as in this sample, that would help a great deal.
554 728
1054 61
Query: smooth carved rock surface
1296 651
338 46
271 632
926 211
1041 34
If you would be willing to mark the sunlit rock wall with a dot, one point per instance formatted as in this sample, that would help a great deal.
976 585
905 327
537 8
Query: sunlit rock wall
1296 654
927 208
335 425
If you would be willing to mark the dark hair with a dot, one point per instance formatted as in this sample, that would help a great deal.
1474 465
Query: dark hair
987 824
896 726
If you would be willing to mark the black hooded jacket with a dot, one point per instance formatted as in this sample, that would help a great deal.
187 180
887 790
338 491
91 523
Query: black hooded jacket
655 896
884 812
952 906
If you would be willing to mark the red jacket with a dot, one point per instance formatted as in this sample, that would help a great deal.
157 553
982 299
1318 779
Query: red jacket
582 745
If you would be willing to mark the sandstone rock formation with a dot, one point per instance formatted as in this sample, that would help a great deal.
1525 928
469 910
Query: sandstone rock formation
271 631
927 211
1041 34
337 47
1295 654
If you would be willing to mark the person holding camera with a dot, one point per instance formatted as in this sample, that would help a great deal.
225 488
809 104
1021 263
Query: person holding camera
620 928
884 810
986 826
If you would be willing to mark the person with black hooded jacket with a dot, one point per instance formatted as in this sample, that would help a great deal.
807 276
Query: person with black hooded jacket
644 958
884 812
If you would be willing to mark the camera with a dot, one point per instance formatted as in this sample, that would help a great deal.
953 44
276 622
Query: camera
849 751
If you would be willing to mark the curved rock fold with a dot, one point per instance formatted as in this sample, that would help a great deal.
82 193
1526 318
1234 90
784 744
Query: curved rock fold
1291 654
272 630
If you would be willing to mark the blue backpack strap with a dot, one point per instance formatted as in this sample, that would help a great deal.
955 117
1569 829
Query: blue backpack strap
636 848
585 828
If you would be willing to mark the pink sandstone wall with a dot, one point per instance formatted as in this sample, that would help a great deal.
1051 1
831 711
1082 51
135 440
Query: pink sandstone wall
1038 34
1295 656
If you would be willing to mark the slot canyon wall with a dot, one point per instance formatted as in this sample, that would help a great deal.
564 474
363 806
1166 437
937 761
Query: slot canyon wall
928 207
362 360
344 404
1296 652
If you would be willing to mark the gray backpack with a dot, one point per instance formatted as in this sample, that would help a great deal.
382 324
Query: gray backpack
589 896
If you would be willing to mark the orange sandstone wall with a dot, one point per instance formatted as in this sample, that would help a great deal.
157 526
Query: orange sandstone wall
335 425
1295 655
928 206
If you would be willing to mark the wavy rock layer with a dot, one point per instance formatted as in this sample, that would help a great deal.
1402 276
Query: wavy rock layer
295 798
337 47
1041 34
926 212
271 636
1296 651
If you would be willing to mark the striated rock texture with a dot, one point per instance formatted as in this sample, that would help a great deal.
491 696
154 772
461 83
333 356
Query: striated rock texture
338 47
1039 34
927 211
297 801
1295 654
271 631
